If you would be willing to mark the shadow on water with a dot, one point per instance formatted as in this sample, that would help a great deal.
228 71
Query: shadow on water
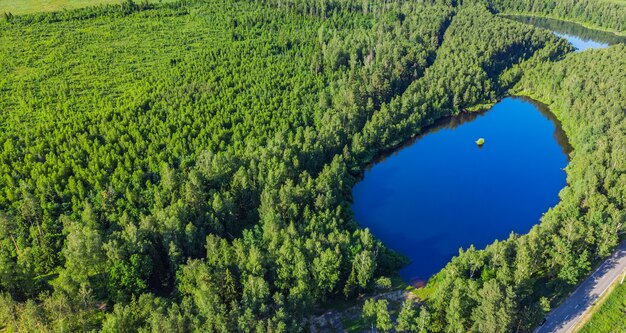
452 122
559 133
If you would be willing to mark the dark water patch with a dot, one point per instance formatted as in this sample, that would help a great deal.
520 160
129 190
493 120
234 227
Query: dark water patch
580 37
441 191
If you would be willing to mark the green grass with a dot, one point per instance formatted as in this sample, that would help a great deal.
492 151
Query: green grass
480 107
17 7
611 316
619 2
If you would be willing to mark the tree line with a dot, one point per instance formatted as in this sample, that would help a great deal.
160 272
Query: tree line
513 283
189 166
140 166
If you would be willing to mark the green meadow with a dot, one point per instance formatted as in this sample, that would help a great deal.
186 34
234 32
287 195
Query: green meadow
611 316
17 7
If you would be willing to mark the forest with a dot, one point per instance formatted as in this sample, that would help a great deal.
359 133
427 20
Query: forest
187 166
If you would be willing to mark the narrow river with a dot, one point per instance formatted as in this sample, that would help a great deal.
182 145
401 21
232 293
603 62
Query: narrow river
580 37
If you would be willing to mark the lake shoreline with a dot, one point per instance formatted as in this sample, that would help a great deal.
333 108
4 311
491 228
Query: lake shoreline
441 123
414 184
583 24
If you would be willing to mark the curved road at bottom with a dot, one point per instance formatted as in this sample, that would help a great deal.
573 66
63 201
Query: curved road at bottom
564 318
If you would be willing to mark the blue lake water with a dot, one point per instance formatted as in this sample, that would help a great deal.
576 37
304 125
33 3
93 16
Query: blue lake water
581 44
580 37
441 191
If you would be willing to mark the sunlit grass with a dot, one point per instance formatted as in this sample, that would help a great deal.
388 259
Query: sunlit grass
621 2
17 7
611 316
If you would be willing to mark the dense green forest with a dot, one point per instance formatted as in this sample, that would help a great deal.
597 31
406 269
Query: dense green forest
509 285
188 165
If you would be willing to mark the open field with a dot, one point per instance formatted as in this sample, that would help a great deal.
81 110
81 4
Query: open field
611 315
34 6
17 7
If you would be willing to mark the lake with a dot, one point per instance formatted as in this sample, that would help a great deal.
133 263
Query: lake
580 37
441 191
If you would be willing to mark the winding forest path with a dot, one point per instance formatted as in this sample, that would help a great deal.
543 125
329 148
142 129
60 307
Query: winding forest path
564 318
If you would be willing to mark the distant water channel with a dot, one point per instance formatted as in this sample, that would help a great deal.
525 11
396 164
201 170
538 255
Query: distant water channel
580 37
441 191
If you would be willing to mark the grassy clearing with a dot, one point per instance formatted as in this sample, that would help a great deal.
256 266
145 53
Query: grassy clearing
620 2
18 7
611 315
34 6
